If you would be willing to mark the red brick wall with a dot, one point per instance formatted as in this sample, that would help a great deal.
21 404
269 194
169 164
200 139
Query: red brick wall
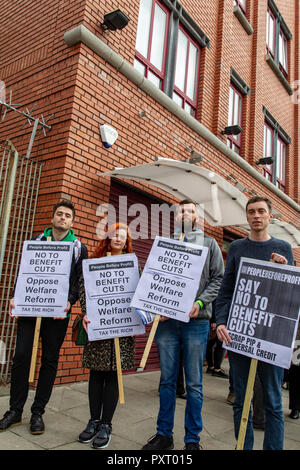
84 91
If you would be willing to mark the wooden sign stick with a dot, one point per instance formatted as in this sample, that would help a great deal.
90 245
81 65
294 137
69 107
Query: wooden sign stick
119 371
119 365
151 334
149 343
247 403
35 343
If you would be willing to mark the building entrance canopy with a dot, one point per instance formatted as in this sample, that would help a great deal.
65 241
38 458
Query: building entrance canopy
222 203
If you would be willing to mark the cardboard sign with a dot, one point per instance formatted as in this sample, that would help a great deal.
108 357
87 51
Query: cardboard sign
110 283
43 282
264 312
170 279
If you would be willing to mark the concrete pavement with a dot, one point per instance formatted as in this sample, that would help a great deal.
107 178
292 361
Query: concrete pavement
134 422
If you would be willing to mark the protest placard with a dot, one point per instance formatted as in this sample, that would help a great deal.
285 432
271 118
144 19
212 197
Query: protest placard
264 312
170 279
109 287
43 281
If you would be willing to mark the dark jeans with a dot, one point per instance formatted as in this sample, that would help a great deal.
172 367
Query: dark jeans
192 336
52 333
103 395
270 377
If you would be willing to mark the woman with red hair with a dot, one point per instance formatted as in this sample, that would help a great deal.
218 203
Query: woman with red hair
99 356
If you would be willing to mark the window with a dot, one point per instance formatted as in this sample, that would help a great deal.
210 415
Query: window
168 47
270 29
186 73
283 52
234 117
151 41
275 147
277 37
268 151
241 4
280 164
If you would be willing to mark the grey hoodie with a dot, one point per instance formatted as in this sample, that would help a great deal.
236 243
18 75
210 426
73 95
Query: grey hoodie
213 270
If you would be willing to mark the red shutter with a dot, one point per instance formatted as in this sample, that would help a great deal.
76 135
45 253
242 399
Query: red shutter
141 248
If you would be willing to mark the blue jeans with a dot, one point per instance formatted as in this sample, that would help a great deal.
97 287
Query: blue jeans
193 337
271 378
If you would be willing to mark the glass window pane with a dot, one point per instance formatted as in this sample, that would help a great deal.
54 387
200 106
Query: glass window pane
283 50
154 79
192 72
177 98
230 107
237 109
143 30
158 37
271 34
269 143
188 108
139 66
181 60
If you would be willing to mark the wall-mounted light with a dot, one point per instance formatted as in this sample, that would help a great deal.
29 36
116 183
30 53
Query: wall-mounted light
195 157
232 130
265 161
115 20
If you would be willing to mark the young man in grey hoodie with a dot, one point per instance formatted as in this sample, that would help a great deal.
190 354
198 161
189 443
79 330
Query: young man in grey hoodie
192 336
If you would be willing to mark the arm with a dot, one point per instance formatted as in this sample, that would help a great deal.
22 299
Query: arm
216 271
76 273
224 298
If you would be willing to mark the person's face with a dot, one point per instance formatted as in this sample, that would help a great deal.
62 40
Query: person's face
187 214
62 219
118 240
258 216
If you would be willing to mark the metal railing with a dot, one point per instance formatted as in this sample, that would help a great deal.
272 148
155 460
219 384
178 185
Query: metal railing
19 185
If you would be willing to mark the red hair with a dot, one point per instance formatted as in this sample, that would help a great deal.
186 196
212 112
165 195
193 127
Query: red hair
104 246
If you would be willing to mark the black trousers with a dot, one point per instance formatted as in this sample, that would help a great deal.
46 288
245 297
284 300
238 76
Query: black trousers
52 333
103 395
214 353
294 387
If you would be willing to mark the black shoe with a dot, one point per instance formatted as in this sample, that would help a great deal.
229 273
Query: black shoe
192 446
210 370
103 436
181 395
37 424
11 418
220 373
159 442
90 431
294 414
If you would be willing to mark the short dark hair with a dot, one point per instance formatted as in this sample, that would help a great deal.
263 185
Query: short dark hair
187 201
254 199
64 203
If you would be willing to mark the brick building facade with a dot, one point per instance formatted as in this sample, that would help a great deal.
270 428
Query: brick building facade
57 56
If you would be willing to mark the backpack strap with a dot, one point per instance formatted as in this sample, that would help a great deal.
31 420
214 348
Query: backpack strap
77 250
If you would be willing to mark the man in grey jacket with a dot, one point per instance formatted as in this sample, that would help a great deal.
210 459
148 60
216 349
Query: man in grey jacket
192 336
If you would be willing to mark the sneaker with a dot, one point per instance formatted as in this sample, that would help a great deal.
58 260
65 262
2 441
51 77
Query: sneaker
159 442
220 373
37 424
230 398
103 436
192 446
210 370
90 431
11 418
